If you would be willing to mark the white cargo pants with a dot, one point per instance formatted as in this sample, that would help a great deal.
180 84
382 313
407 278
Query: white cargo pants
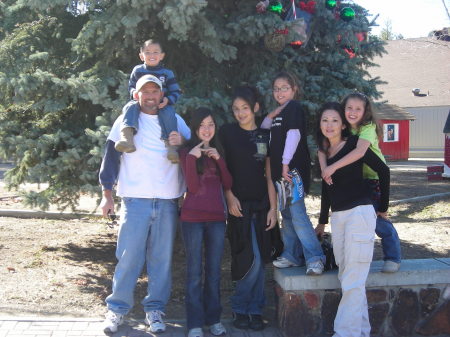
353 238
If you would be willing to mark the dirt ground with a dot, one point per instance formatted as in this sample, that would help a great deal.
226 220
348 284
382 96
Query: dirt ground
64 267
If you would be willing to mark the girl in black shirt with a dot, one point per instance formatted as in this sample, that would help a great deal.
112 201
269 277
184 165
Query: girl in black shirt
252 207
289 150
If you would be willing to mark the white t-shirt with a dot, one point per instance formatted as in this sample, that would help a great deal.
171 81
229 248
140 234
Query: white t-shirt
147 173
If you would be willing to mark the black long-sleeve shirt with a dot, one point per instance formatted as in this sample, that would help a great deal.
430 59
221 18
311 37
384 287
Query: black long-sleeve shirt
349 189
292 117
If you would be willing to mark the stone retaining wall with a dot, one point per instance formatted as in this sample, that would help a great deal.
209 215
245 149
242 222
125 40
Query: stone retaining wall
414 308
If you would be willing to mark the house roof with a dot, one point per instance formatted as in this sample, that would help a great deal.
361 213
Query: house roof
422 63
390 111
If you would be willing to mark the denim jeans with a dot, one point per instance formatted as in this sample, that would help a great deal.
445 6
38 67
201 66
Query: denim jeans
390 242
298 233
146 234
248 297
166 117
203 300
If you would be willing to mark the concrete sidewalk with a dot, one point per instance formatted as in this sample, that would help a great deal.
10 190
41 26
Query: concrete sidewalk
41 327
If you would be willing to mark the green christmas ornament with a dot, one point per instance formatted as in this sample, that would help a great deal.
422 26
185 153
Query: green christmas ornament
275 7
330 4
347 14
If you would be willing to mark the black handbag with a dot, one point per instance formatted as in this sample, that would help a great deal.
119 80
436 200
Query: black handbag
327 247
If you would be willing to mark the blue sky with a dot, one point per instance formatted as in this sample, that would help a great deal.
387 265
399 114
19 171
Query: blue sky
411 18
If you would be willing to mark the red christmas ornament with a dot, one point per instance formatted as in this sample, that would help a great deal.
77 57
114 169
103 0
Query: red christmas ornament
309 6
350 51
362 36
296 44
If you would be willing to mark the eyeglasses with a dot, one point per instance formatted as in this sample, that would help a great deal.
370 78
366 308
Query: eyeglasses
282 89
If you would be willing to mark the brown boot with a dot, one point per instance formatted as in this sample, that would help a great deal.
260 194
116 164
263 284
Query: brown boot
126 143
172 153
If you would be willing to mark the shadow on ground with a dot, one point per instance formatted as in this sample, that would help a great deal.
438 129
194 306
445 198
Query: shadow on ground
101 252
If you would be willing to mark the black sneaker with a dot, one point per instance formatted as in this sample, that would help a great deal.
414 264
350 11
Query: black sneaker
256 322
240 321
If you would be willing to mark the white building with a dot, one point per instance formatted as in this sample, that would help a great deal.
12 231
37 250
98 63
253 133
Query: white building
417 72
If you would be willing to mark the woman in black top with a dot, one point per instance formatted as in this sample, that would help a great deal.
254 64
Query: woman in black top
353 218
252 207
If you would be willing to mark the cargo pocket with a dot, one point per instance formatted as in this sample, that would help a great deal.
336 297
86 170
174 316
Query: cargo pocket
362 247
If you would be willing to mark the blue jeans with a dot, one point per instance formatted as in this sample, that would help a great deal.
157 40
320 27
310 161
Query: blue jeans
298 235
146 234
203 302
166 117
249 295
390 242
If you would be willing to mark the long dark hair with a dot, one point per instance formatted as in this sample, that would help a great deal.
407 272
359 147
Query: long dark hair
197 117
322 141
249 94
368 116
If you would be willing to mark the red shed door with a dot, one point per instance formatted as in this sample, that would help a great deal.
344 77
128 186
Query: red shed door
394 142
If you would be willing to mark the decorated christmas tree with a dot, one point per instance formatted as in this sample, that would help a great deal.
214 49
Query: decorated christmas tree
64 69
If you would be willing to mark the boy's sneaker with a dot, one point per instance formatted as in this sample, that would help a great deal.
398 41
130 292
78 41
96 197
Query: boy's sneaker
390 267
195 332
112 322
172 153
126 142
282 262
217 329
256 322
314 268
155 321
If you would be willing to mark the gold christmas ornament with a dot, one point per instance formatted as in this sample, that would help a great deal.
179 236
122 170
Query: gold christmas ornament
275 41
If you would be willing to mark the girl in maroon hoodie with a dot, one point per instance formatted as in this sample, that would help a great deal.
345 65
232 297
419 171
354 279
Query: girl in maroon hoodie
203 216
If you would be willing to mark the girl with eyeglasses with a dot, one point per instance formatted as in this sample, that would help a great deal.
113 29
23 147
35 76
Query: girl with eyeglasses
289 150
